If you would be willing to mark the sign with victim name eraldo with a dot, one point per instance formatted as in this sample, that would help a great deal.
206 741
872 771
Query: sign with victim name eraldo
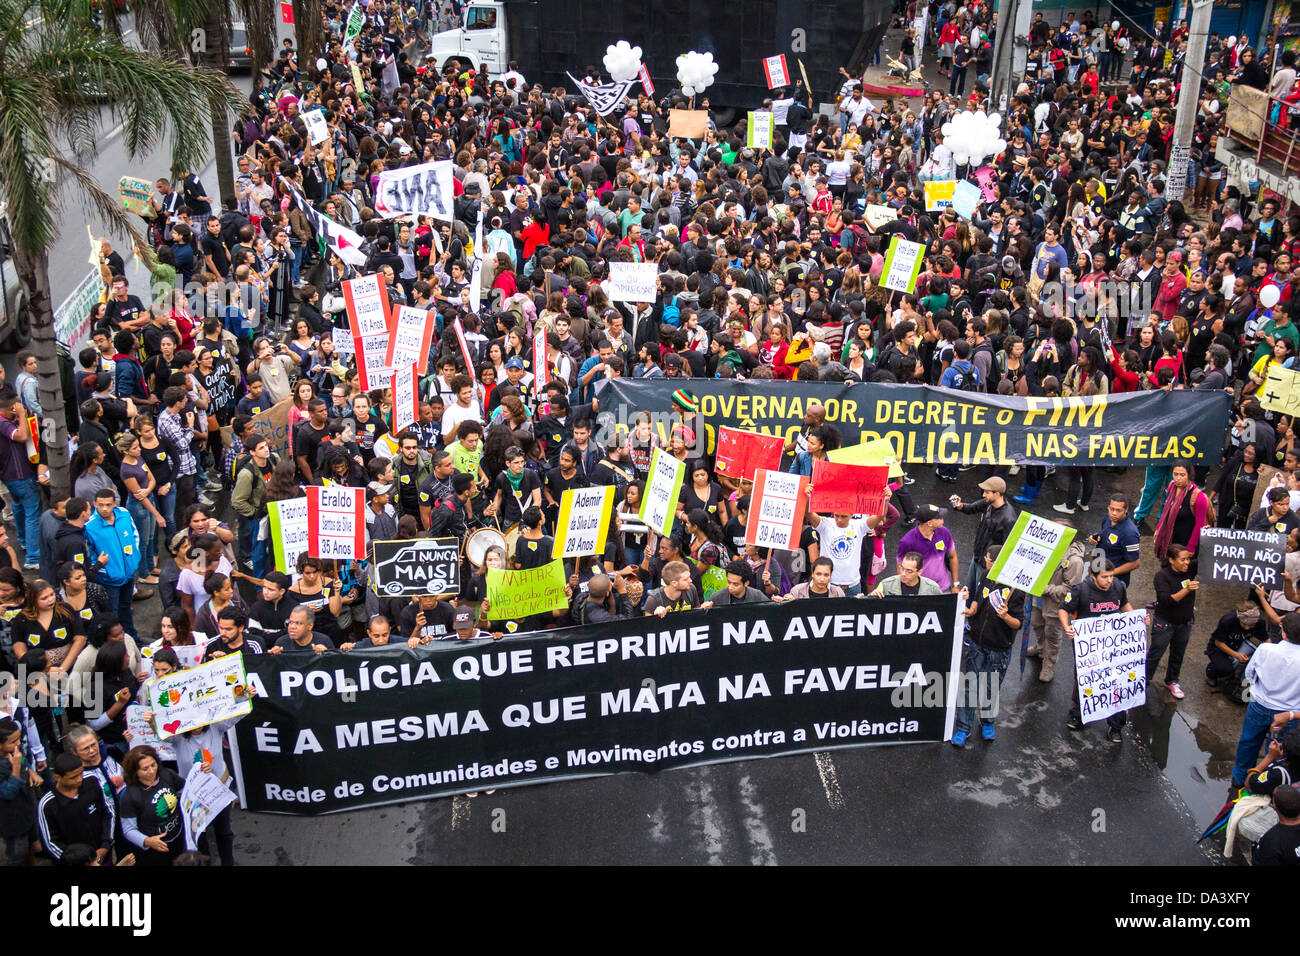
336 523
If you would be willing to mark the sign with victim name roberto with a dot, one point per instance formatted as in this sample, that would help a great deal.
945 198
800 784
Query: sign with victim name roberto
415 566
342 731
1253 558
1110 663
1031 553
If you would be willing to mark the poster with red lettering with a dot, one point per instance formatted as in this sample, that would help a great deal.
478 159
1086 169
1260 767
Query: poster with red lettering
848 489
336 522
741 454
776 509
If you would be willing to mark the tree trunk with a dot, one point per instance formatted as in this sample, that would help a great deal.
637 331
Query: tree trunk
34 273
219 43
307 31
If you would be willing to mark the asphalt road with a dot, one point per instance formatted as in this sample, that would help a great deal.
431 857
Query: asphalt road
1038 794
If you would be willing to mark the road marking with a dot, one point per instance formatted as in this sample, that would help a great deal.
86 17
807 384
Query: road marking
704 812
830 780
762 852
460 808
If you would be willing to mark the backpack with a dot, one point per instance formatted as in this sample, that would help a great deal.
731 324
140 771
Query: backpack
859 241
967 380
672 315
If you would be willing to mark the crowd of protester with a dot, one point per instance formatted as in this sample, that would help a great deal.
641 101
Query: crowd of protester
1073 276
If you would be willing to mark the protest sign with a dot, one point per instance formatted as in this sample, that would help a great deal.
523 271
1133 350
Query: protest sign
776 509
1253 558
273 425
776 71
759 130
343 240
220 383
1281 390
415 566
876 451
406 397
663 485
72 317
202 798
135 195
514 595
1110 663
940 426
366 298
286 12
373 370
194 698
878 216
902 264
965 197
465 355
741 453
541 367
189 655
336 522
938 194
317 129
583 523
633 282
412 333
143 734
839 488
742 679
288 524
647 84
1032 552
343 344
987 177
688 124
424 190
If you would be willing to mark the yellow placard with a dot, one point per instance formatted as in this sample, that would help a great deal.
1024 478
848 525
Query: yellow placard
878 451
583 523
938 195
1281 390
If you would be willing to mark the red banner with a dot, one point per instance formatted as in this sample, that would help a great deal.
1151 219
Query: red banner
286 13
848 489
741 454
646 83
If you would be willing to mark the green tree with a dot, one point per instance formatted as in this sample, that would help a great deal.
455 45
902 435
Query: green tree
60 84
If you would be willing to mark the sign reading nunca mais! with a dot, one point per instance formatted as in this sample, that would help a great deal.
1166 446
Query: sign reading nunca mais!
341 731
941 426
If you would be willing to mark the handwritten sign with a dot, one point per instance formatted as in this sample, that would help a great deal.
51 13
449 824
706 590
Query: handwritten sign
583 522
776 71
1281 391
406 397
759 130
1110 663
194 698
1252 558
1032 552
517 594
412 333
143 734
633 281
202 798
902 264
288 522
938 194
663 485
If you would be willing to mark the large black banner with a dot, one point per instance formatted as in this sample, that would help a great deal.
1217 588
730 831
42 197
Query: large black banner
942 426
341 731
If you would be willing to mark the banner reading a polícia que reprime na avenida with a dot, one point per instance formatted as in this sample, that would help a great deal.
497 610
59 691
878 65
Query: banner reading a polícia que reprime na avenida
942 426
342 731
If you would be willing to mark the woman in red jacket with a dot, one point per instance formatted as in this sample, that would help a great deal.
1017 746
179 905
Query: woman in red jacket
1128 371
773 351
948 37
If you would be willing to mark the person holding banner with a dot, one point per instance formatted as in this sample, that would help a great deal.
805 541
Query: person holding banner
1097 594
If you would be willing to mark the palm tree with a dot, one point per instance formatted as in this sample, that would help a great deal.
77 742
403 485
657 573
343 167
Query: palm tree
53 81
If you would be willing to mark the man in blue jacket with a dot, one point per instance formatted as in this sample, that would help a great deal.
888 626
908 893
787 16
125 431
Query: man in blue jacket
113 543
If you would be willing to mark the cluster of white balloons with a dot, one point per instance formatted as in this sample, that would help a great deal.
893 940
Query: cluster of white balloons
622 61
695 72
973 136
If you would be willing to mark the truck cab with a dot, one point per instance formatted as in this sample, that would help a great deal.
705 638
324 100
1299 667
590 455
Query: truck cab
480 39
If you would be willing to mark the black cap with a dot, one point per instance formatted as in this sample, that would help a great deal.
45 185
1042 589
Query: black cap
929 513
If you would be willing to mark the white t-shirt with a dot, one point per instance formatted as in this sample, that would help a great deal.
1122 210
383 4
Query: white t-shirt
844 547
455 414
191 582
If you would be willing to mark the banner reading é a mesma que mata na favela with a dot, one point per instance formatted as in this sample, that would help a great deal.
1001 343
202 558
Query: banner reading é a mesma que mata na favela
943 426
341 731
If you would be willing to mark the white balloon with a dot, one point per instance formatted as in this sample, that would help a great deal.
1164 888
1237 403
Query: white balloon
1114 24
961 159
322 64
1269 296
946 129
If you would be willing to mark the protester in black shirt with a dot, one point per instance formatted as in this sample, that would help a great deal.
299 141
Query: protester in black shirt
1096 595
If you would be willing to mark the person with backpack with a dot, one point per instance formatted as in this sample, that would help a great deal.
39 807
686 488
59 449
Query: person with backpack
249 496
962 375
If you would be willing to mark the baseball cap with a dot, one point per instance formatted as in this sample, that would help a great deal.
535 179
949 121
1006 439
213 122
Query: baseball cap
464 620
929 513
377 488
673 360
514 363
994 484
1008 262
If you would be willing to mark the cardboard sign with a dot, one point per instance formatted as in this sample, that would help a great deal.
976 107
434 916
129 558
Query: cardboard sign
1252 558
776 509
143 734
938 194
415 566
517 594
741 454
838 488
877 451
273 425
632 282
336 522
424 190
204 794
902 264
663 486
135 194
1110 663
688 124
878 216
583 522
776 71
1281 390
759 130
194 698
1032 552
406 398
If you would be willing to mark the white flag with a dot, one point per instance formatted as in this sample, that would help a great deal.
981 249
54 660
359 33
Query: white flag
606 97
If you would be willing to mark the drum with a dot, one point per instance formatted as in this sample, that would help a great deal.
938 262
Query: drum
511 536
477 544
